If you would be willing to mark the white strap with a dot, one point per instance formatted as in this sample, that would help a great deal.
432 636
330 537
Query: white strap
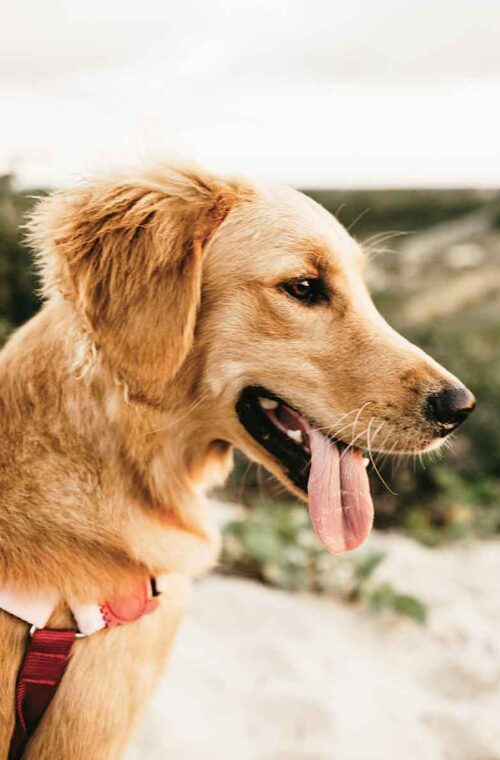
89 618
34 609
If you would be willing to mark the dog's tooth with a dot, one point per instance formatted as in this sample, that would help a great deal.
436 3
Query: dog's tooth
268 403
295 435
366 461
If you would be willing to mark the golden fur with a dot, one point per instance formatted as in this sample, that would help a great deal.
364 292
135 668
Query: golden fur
118 406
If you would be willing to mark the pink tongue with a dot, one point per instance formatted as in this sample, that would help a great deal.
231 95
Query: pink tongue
340 504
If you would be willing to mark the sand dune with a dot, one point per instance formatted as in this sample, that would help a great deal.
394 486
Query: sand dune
263 674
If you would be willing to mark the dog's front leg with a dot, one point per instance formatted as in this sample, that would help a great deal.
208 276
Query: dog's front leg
108 681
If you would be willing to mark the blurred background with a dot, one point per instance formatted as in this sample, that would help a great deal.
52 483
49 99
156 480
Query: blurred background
388 114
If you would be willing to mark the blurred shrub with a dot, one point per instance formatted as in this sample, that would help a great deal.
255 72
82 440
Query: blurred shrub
275 543
18 298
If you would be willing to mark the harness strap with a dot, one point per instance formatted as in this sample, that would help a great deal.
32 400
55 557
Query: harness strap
43 667
49 650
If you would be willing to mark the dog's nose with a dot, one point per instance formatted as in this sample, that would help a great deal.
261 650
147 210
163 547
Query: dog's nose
450 406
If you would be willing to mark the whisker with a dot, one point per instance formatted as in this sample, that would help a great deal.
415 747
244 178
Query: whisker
380 237
387 454
342 417
337 211
382 455
373 253
259 480
373 461
335 433
351 444
357 219
188 411
242 483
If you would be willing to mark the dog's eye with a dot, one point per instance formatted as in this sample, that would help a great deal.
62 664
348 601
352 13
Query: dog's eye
309 290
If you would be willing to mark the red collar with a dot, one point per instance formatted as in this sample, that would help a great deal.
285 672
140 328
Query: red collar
49 650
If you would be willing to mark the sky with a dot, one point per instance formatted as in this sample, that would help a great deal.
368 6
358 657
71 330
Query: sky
308 92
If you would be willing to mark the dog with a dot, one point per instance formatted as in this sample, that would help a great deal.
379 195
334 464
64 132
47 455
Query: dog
185 314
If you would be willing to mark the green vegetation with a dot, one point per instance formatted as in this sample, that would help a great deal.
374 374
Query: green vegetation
18 299
276 544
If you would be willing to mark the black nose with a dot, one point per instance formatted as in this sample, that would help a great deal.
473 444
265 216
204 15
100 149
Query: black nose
450 406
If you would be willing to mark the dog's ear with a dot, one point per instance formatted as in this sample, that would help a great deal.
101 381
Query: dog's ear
128 255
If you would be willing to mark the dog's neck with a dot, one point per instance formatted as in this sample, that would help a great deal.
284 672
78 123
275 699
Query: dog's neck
126 480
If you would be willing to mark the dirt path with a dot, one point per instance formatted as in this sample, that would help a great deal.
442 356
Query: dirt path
263 674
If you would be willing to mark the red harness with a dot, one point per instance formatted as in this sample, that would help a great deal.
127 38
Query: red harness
49 652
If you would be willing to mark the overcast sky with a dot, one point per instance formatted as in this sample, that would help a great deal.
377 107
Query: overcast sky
310 92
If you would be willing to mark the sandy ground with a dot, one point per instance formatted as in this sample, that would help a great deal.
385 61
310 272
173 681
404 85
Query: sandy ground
260 673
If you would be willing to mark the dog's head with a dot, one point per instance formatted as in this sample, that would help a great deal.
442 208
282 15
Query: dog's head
254 299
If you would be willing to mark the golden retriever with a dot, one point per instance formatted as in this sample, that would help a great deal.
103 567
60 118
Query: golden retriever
185 314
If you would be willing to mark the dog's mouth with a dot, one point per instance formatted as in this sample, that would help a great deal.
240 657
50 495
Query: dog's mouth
331 474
